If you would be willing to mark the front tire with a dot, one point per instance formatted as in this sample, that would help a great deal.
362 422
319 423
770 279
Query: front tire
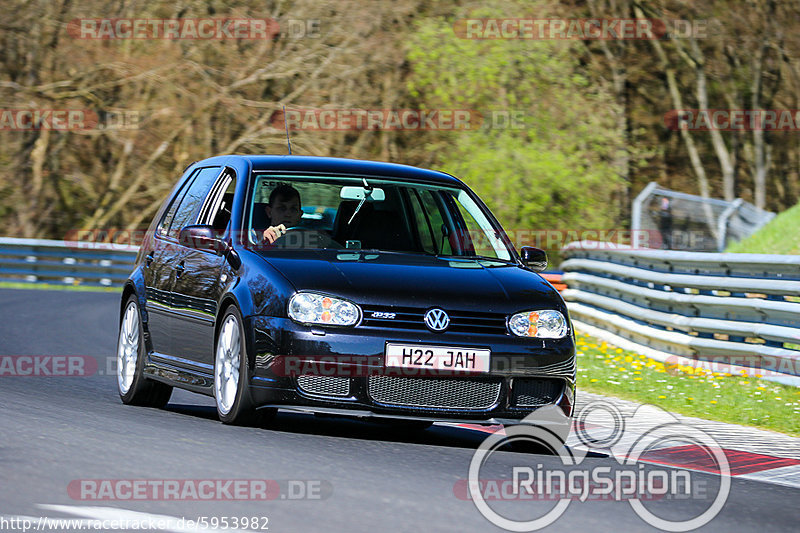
133 387
232 375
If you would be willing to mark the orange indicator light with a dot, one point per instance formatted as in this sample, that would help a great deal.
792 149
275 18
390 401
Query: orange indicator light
533 318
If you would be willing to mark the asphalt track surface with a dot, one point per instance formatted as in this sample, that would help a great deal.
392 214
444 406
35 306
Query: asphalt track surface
55 430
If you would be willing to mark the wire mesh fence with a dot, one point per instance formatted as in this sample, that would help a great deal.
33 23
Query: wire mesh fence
693 223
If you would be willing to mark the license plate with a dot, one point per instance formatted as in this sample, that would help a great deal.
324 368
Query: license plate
437 357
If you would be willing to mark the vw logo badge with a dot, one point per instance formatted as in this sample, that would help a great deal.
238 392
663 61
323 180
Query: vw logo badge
437 320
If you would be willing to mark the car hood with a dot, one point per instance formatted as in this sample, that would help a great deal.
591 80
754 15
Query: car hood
420 281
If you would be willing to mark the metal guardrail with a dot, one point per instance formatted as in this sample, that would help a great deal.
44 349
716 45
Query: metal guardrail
82 263
740 309
555 280
64 262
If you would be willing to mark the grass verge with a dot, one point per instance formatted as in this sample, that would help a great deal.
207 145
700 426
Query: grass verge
779 236
54 286
606 369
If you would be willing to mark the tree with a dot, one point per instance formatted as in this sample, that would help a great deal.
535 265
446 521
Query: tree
552 169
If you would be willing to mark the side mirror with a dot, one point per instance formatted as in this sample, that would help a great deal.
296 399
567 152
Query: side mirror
201 237
534 258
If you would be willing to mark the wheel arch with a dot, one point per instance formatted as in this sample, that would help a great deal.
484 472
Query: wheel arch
127 291
229 300
134 285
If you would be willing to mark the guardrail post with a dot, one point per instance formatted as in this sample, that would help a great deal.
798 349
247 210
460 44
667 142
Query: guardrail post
636 208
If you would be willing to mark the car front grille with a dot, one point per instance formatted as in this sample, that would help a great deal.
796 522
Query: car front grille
565 368
440 393
530 392
324 385
414 319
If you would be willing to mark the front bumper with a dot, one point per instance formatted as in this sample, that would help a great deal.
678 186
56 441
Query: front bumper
354 357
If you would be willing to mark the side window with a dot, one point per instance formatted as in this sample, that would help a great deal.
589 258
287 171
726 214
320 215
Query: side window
480 236
433 209
166 220
422 221
190 203
216 210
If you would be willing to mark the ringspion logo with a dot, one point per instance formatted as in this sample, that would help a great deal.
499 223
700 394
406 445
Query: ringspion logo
570 478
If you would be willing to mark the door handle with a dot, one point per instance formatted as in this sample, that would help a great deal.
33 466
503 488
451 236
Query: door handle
148 260
180 269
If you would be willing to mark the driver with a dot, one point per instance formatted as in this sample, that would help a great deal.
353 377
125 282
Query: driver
283 211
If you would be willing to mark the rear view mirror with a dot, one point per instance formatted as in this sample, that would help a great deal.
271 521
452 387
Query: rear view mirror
534 258
362 193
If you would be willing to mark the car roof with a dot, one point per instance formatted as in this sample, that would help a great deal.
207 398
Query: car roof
337 165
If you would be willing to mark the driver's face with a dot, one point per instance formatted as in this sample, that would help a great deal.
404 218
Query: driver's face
285 211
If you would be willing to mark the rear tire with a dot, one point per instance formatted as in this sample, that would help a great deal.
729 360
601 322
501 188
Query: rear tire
133 386
232 375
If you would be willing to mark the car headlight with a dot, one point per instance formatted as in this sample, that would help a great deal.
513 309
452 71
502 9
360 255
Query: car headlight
547 324
311 308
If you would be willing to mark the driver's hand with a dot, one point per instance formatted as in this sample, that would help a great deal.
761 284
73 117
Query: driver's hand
273 233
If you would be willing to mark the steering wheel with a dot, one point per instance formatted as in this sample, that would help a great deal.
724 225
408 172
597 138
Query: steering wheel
322 238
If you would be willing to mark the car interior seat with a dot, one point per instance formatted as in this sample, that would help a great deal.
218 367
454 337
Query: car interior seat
260 218
375 228
223 216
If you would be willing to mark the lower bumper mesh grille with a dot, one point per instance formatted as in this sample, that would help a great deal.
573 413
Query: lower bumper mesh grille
452 393
536 392
324 385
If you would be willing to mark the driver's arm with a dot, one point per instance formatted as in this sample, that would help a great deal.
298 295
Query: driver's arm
273 233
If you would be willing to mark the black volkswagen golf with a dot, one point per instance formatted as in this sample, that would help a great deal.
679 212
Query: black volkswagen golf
343 287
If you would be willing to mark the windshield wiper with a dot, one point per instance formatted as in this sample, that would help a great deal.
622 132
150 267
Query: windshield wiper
367 192
476 257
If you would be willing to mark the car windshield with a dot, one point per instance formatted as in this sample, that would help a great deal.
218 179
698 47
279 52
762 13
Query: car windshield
371 214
